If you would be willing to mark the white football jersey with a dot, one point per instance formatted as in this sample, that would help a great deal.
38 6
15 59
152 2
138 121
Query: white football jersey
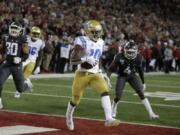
34 48
92 49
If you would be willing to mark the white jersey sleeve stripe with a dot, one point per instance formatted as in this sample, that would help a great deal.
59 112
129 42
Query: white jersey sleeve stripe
83 42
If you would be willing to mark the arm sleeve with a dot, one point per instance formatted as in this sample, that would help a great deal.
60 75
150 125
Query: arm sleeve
25 53
25 48
80 41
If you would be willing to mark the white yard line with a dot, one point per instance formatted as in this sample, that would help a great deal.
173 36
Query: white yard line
54 75
91 119
93 99
148 85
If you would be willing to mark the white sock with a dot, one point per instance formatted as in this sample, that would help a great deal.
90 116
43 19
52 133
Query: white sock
0 100
70 110
115 104
106 104
147 106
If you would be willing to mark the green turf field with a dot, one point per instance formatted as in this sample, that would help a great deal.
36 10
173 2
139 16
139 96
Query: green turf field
50 96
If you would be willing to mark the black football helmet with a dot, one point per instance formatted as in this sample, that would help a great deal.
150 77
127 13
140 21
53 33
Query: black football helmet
130 50
15 29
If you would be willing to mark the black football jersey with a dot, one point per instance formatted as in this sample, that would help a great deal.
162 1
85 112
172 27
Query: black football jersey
126 66
13 46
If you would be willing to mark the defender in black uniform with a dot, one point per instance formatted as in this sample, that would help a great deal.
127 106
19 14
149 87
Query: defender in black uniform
14 50
127 64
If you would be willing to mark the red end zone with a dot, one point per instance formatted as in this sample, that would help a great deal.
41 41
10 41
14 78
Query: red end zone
82 126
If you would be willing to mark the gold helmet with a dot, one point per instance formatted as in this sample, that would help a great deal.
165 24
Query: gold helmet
93 29
35 33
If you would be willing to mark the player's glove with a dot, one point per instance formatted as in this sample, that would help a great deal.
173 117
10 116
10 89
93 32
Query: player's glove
144 87
17 60
37 70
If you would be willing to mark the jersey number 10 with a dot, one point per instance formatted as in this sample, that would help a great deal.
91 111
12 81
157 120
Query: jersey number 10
96 53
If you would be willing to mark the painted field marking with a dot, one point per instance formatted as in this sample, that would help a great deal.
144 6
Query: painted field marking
148 85
92 119
92 99
23 129
168 96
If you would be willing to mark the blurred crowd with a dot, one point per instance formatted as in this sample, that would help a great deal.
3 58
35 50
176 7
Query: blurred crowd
153 24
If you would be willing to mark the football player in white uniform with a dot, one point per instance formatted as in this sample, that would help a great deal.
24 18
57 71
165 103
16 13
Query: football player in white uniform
36 46
86 54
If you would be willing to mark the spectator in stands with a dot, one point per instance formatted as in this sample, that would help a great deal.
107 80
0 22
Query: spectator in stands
48 52
154 20
62 54
158 56
177 58
168 57
146 53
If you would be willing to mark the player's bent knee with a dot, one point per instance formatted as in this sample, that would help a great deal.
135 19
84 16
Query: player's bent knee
140 94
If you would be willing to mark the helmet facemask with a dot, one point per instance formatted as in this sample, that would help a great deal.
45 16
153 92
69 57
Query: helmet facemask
93 30
130 50
95 35
130 53
15 30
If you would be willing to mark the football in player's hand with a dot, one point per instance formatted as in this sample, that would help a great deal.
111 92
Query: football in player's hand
86 65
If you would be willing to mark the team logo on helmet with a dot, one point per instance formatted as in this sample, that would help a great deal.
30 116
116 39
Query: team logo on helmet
35 33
